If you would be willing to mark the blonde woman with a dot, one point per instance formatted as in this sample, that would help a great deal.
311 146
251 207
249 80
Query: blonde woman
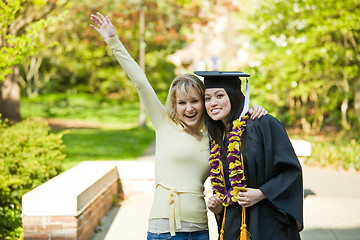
182 147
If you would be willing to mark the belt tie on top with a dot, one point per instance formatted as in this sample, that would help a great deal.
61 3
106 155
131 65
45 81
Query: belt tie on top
174 207
174 214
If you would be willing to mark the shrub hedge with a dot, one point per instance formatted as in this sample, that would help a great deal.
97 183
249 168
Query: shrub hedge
341 152
29 156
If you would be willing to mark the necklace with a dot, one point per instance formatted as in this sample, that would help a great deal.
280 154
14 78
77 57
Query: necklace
236 165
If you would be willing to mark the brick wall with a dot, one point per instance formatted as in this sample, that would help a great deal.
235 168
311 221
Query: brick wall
71 227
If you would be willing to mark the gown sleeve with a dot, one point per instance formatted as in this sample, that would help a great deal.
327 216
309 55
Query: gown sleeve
283 185
155 110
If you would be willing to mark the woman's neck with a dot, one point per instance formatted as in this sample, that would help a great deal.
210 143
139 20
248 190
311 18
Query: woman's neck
194 131
227 125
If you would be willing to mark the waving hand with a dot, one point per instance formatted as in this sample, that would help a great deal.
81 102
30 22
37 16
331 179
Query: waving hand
104 25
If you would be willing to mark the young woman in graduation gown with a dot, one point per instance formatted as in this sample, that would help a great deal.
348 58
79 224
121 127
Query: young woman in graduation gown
264 199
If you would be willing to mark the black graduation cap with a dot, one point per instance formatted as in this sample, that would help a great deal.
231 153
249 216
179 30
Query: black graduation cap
222 79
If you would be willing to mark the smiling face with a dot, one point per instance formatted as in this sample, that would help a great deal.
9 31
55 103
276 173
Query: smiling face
190 109
217 104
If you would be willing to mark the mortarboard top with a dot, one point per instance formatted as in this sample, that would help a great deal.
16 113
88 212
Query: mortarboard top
221 79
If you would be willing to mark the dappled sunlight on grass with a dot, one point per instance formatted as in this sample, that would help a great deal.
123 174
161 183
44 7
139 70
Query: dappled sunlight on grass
105 144
81 106
99 129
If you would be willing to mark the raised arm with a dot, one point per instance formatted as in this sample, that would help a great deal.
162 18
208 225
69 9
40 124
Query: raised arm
153 106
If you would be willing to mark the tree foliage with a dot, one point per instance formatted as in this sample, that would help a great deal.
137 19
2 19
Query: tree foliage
83 63
21 28
24 22
308 60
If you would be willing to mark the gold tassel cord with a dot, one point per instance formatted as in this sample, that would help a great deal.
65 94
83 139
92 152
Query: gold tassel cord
244 234
222 226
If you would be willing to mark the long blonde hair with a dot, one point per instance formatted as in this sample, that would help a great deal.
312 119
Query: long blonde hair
182 85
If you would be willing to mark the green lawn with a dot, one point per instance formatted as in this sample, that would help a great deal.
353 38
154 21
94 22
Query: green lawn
118 138
105 144
86 107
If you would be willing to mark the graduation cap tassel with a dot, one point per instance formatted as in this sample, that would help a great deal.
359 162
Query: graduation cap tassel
244 234
247 99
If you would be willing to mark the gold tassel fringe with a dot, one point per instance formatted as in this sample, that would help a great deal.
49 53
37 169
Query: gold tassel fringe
244 234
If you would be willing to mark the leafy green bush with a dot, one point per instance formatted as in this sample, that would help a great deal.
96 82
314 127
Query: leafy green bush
343 152
29 156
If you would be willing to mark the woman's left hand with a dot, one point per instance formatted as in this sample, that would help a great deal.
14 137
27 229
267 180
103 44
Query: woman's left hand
257 112
104 26
250 197
215 204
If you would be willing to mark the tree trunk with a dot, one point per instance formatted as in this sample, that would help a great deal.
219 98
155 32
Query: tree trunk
357 99
142 114
345 104
306 126
344 109
10 96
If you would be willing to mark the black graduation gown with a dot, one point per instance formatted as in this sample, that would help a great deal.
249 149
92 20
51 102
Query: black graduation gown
272 166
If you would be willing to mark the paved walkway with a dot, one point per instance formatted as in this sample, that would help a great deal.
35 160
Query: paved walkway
331 205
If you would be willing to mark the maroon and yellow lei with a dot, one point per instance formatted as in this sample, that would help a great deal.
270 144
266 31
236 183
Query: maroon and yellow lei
236 166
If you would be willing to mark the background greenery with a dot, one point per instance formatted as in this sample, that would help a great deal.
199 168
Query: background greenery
105 129
307 58
305 54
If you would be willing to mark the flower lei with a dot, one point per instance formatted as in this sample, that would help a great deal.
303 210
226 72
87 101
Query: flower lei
236 168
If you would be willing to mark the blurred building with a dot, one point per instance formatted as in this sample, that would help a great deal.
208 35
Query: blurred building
216 44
